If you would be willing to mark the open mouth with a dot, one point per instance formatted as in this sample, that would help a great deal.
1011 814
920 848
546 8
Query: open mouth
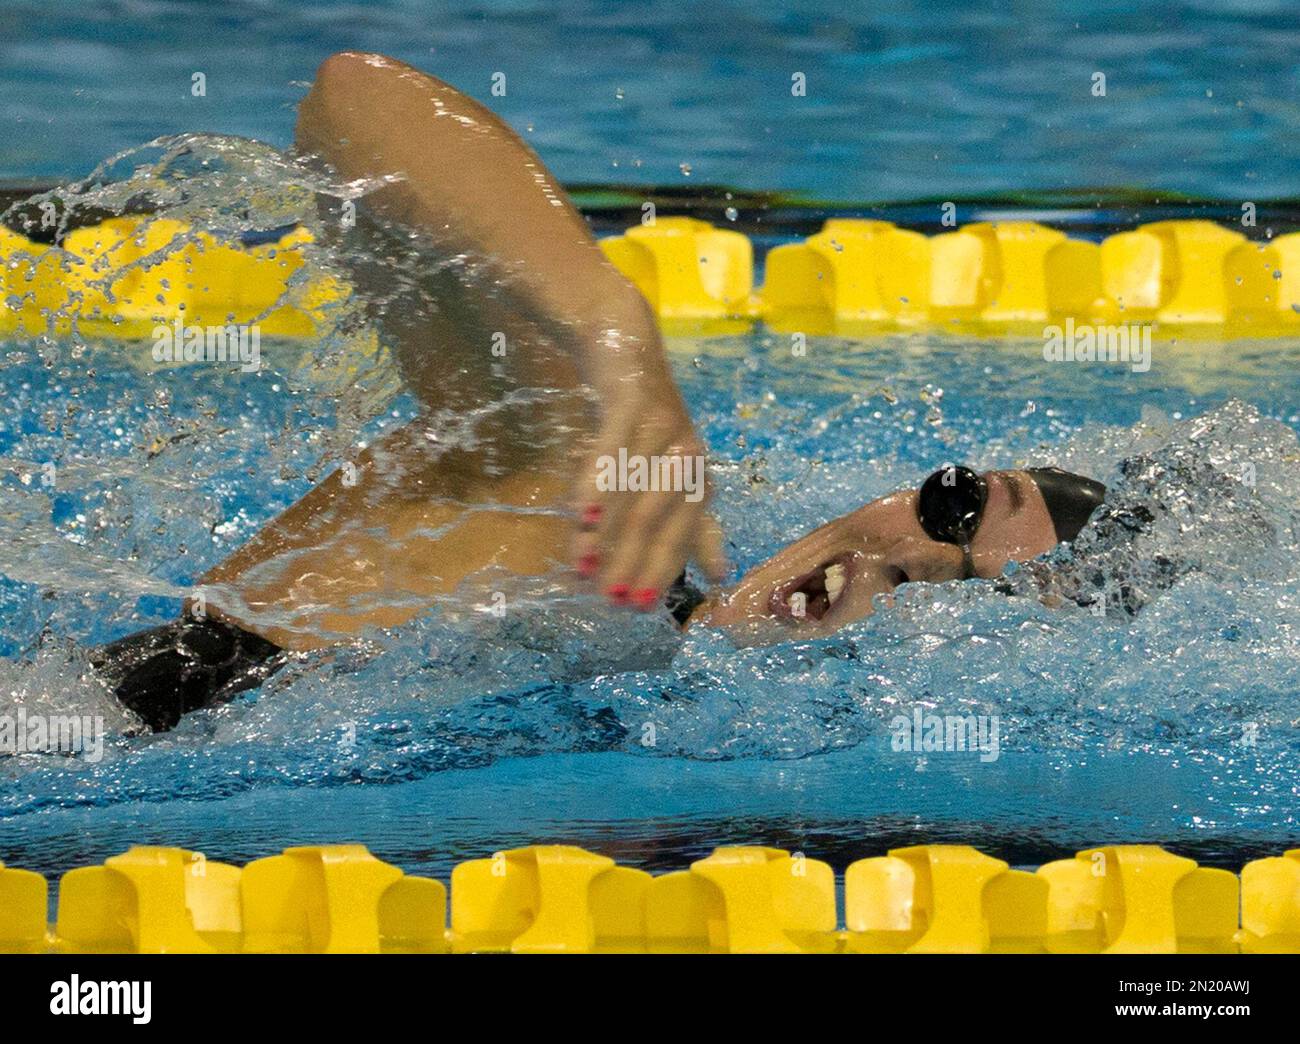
813 595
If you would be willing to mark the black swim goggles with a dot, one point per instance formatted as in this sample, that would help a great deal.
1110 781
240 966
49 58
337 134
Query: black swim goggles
950 506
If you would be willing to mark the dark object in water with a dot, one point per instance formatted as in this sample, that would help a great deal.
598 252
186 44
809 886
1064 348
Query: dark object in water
682 599
950 505
167 671
1071 499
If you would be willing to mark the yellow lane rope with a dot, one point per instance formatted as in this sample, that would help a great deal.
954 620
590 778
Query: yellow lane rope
560 899
127 275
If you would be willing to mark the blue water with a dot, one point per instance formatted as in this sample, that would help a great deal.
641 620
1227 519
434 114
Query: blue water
461 733
904 98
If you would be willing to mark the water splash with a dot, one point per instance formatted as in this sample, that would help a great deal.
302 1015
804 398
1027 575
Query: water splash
160 478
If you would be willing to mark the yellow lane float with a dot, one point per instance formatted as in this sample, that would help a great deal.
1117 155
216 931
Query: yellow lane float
561 899
126 275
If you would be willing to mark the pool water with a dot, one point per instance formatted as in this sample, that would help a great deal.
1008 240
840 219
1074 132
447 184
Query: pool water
941 99
465 732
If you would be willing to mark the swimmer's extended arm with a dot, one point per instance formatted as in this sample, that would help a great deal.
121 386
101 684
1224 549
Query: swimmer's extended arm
477 189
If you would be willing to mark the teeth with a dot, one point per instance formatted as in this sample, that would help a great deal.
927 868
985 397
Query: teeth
798 603
835 581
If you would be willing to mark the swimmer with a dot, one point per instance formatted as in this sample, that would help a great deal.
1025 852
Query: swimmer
959 525
584 367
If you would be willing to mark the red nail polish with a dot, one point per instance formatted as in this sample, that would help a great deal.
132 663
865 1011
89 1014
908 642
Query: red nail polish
591 514
587 563
645 597
617 593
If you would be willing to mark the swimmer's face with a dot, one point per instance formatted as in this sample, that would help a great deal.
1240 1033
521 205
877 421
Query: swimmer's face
831 576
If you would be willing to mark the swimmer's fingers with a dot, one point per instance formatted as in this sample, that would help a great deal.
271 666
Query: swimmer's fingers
652 549
592 490
649 534
600 505
623 477
709 551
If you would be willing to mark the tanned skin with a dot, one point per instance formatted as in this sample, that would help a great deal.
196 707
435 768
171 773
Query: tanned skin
422 517
586 369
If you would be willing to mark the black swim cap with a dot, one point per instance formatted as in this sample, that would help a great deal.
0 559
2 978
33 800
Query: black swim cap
1071 499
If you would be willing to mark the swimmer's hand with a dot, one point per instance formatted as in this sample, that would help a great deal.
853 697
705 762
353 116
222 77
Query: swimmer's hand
642 493
468 181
